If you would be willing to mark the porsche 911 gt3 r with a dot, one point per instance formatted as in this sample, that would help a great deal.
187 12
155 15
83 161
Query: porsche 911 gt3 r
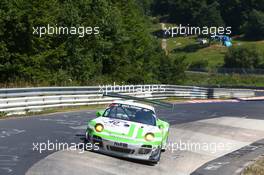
129 129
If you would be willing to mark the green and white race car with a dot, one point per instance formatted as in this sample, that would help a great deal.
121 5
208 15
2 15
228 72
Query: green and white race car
129 129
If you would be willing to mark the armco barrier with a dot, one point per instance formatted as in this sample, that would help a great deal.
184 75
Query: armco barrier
233 93
21 100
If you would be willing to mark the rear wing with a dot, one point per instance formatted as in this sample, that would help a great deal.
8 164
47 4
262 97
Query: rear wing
128 97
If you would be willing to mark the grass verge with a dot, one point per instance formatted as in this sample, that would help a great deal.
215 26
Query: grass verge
194 52
256 168
211 79
3 115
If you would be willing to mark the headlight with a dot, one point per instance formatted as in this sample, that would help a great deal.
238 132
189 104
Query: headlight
149 137
99 127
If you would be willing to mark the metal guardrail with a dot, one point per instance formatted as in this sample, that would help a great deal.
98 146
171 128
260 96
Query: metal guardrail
22 100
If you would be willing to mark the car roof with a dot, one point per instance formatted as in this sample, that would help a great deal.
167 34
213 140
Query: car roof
133 103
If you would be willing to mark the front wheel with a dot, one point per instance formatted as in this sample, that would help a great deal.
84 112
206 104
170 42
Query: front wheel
87 137
156 158
164 145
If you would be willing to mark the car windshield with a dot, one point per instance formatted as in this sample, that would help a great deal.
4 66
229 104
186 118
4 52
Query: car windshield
131 113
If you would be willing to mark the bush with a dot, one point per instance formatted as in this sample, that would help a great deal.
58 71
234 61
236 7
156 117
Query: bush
172 70
243 57
3 114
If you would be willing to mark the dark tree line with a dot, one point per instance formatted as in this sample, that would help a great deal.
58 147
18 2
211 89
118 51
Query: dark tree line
244 16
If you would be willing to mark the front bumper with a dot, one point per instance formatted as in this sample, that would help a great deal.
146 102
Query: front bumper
135 151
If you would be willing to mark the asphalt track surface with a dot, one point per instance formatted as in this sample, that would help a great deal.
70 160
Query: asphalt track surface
240 123
234 162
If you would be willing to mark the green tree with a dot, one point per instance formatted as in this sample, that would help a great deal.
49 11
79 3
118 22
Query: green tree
185 11
146 6
210 15
255 25
172 69
124 51
243 57
236 13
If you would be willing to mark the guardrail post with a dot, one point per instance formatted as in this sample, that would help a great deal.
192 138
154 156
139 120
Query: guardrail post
210 93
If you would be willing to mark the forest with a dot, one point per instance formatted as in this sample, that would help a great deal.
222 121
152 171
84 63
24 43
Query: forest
244 16
124 51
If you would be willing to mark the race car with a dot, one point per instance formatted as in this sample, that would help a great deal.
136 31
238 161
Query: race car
129 129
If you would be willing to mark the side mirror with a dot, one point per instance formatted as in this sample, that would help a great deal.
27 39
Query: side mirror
99 113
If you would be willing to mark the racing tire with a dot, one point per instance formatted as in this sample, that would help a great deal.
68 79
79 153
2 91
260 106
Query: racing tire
162 148
154 162
87 138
